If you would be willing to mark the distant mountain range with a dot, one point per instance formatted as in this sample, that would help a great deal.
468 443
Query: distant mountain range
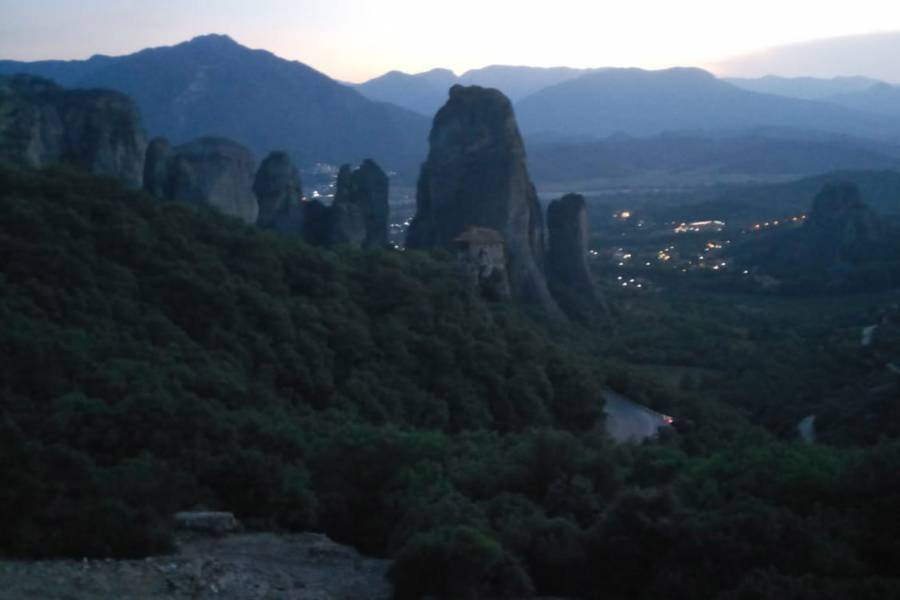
578 123
638 102
880 98
589 103
423 93
804 88
426 92
857 93
213 86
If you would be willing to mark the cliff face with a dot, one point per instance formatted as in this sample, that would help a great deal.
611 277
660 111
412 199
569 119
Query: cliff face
568 229
370 182
347 223
214 172
361 206
98 131
278 190
476 175
359 214
567 256
843 245
839 214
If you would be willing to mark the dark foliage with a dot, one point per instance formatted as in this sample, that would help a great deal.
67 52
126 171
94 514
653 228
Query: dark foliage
156 357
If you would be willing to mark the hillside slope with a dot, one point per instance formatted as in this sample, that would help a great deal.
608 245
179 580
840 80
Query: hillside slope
155 357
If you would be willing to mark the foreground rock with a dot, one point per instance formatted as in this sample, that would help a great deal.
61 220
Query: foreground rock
358 216
567 257
214 172
240 567
98 131
476 175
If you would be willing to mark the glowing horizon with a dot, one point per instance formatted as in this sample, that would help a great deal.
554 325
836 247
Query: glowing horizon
361 39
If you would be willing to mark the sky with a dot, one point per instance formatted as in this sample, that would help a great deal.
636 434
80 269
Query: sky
354 40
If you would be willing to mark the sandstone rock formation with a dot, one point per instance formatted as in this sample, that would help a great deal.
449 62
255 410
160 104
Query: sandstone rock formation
278 191
347 223
567 256
568 229
370 186
839 213
842 245
42 124
476 175
481 258
214 172
361 206
358 216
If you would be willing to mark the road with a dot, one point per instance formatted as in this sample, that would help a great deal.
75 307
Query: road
628 421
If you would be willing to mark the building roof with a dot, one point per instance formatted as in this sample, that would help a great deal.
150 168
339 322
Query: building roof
480 235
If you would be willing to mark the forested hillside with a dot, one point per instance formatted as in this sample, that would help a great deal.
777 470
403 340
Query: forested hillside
155 357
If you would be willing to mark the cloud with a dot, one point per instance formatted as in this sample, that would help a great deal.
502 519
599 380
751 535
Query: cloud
870 55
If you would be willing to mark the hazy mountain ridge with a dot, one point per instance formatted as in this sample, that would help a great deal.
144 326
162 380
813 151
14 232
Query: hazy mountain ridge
426 92
880 98
423 93
639 102
211 85
862 94
803 88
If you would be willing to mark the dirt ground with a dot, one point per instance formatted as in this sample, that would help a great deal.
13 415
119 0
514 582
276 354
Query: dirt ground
246 566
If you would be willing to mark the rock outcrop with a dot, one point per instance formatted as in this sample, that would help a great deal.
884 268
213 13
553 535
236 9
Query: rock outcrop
839 214
481 259
842 246
568 239
476 175
568 272
261 566
347 222
278 191
214 172
361 206
358 216
42 124
370 186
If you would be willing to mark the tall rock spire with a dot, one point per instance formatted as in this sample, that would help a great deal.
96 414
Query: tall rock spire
278 190
476 176
567 257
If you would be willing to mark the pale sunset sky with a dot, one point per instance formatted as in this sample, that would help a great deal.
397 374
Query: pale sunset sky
354 40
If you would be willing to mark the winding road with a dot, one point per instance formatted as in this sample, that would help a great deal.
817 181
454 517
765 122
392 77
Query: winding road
628 421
